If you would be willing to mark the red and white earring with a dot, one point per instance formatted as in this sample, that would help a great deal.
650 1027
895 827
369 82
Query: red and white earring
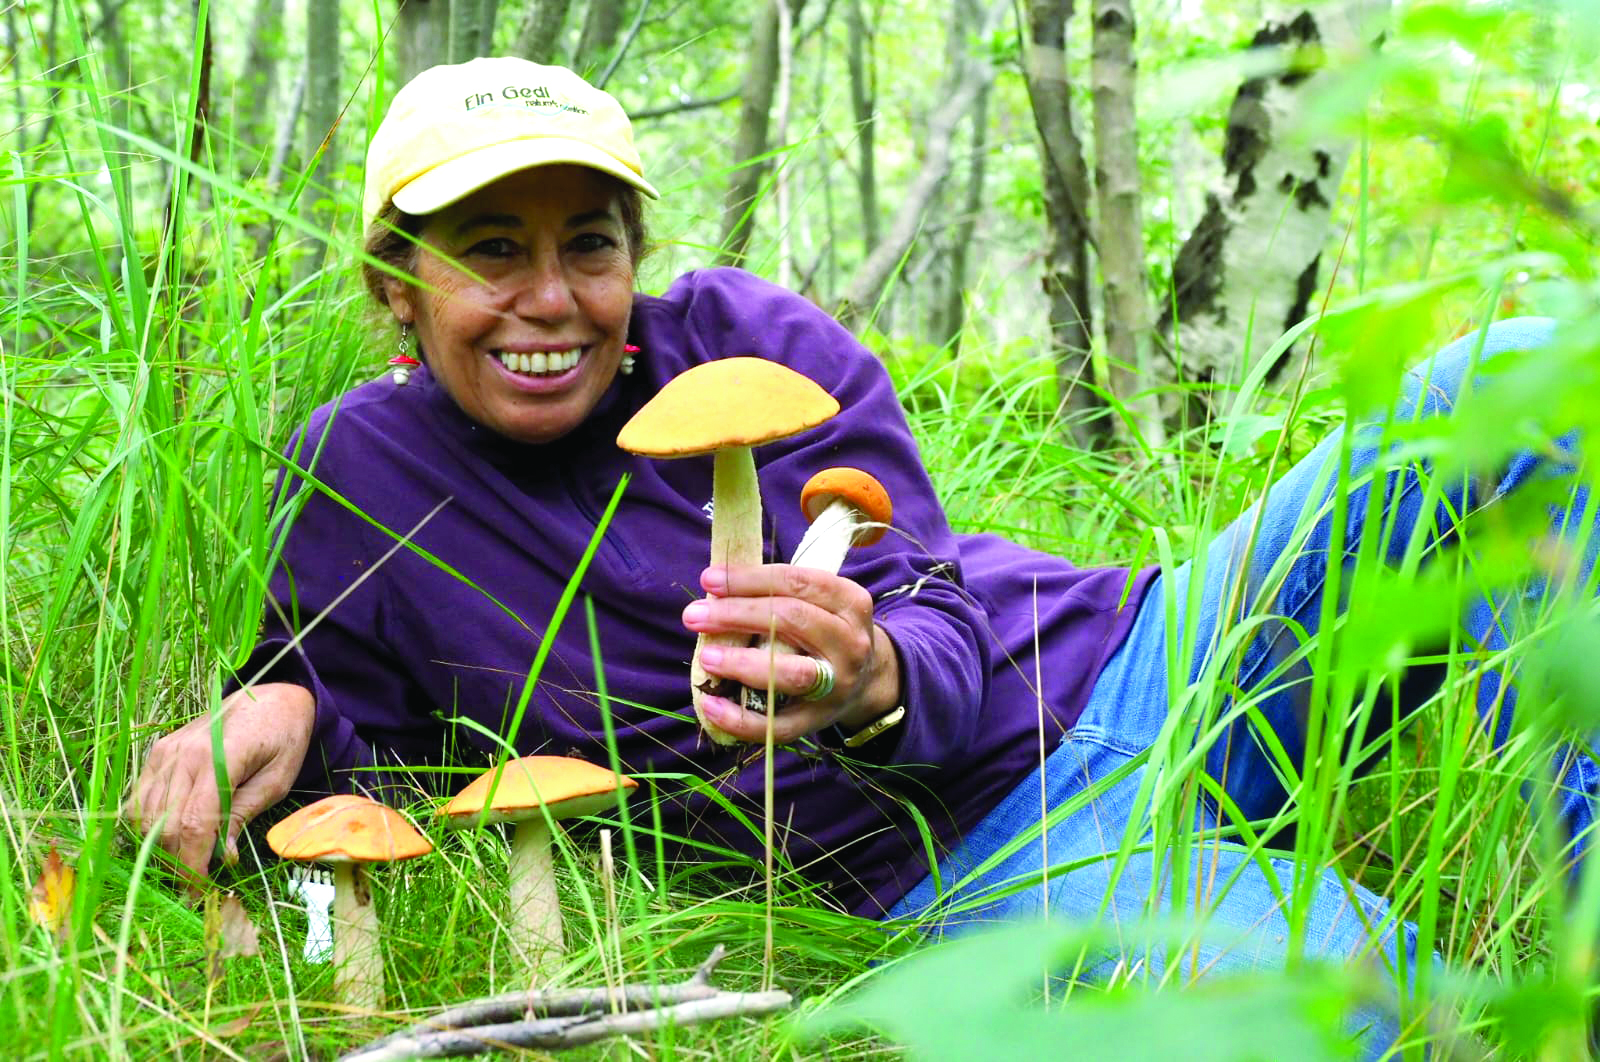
402 363
628 351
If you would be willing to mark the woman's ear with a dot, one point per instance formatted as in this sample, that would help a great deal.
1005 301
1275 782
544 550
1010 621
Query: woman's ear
397 293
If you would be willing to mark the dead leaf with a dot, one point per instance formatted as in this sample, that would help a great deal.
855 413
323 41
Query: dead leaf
229 933
51 904
237 1025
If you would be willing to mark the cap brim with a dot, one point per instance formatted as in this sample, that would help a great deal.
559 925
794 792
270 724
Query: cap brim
460 177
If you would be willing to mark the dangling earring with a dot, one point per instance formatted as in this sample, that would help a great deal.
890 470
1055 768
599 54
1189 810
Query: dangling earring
628 351
403 363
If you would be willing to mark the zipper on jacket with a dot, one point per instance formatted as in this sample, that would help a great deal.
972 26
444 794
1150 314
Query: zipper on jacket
612 539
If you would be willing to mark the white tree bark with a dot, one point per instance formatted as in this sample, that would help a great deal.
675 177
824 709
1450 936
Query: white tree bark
1251 267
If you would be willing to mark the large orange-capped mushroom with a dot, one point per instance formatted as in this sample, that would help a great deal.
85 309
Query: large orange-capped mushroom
724 408
533 793
349 832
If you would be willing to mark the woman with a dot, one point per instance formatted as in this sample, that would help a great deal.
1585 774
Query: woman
505 199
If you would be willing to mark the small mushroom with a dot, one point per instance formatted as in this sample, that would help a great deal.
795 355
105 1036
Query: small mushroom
350 831
533 792
725 407
846 507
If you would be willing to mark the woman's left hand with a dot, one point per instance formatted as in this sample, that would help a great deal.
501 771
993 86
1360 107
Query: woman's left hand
825 616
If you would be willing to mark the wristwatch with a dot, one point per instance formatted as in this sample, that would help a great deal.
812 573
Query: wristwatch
876 727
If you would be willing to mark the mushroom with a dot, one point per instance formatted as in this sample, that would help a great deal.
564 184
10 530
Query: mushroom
533 792
846 507
725 407
350 831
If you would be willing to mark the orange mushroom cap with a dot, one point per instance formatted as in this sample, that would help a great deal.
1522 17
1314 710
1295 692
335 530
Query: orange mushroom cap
728 402
568 787
860 489
347 829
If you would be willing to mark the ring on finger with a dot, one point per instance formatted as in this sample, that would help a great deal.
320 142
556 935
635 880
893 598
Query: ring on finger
822 685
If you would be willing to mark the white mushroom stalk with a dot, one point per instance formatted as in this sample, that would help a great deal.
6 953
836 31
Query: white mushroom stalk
735 542
533 793
846 507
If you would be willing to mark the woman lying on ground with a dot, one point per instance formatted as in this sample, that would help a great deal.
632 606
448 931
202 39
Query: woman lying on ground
507 197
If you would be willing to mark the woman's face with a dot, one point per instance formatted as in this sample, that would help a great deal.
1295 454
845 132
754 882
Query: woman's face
522 299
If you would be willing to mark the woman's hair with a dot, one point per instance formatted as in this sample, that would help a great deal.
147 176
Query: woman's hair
392 237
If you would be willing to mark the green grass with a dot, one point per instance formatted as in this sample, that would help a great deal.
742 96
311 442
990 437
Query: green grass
150 376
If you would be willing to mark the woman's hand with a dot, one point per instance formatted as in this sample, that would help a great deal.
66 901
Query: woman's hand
827 617
266 732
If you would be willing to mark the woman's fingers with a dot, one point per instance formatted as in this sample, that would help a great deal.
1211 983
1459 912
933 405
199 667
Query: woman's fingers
265 734
788 726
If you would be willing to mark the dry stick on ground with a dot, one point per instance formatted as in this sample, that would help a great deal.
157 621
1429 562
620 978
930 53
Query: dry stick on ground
563 1019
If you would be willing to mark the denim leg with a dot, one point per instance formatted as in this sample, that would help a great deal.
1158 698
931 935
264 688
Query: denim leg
1274 562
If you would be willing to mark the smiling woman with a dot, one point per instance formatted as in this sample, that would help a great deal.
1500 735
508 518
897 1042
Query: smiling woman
939 685
521 297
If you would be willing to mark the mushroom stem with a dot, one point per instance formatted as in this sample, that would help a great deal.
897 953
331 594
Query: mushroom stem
829 537
735 542
535 908
357 956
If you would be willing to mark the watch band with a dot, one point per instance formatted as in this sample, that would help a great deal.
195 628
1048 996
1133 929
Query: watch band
876 727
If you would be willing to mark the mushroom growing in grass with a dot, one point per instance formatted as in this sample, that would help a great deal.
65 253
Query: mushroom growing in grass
725 407
350 832
846 507
535 792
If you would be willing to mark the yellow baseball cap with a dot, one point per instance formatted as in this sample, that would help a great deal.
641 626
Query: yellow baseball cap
454 129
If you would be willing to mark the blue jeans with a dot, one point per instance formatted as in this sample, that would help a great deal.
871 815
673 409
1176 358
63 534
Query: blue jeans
1107 856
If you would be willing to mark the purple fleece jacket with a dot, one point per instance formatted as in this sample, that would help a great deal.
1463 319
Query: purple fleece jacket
414 657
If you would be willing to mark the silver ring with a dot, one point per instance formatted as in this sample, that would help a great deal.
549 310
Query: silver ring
823 685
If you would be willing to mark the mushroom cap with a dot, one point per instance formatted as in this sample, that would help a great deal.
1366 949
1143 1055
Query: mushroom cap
858 488
347 829
568 787
728 402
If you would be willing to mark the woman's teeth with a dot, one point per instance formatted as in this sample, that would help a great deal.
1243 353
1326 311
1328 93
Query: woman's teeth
541 363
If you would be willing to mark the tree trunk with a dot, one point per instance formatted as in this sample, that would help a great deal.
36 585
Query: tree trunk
1252 265
488 15
466 24
1128 314
322 115
755 110
953 309
958 93
422 36
859 59
258 80
599 36
541 30
1066 196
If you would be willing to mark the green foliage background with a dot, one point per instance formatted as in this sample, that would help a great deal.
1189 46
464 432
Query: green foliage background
165 324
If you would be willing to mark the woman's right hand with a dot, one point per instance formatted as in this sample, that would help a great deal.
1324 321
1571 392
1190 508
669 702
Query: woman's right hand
266 733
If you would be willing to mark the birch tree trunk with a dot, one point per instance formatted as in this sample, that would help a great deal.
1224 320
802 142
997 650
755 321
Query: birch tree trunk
959 91
422 36
321 116
1066 198
258 79
755 111
599 36
1253 263
859 60
466 22
541 30
952 313
1129 317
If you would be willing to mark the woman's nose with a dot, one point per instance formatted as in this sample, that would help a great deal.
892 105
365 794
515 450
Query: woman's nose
543 292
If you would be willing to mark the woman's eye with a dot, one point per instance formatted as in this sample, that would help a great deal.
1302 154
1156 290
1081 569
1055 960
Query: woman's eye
589 242
498 247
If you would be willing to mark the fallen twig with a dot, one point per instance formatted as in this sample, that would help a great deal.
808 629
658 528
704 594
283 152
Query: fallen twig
557 1033
553 1020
